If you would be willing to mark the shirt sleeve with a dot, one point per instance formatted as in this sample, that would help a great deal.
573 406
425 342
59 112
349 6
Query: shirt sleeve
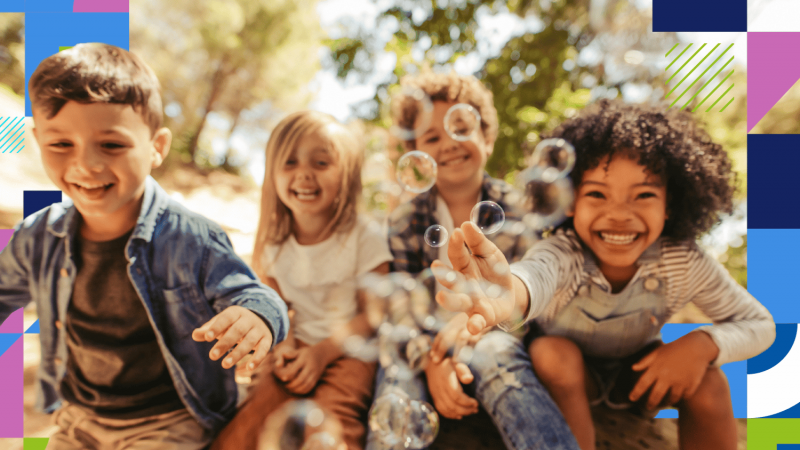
373 247
743 327
14 271
550 265
227 281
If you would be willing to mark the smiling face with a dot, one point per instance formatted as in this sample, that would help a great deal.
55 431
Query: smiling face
618 213
100 154
309 181
459 162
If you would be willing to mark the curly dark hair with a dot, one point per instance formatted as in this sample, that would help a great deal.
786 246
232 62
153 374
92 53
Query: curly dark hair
670 144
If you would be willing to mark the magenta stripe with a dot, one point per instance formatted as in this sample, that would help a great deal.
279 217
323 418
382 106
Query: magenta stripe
11 382
100 6
13 323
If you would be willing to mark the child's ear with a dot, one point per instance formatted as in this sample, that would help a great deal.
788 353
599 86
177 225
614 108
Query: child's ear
162 140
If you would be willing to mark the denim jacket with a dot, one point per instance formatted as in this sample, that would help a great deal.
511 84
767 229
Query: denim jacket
185 271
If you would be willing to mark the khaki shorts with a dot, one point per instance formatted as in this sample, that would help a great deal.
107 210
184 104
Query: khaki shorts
81 429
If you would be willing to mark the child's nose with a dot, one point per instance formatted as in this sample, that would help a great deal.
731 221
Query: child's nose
88 161
620 212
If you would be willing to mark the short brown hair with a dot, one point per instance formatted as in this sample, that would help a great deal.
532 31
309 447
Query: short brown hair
96 73
450 87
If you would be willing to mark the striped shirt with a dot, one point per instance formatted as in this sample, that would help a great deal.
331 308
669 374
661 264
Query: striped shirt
553 270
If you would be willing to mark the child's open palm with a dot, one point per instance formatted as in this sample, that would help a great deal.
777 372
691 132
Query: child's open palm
676 368
238 326
481 279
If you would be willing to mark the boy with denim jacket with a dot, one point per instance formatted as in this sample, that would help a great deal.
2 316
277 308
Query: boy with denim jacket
130 287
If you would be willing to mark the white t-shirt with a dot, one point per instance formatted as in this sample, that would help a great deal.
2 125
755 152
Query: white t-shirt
319 281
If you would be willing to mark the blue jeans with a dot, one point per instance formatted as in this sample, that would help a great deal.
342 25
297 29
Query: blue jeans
506 387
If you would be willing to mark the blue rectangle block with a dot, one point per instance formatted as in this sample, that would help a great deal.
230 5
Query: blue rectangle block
699 15
772 162
736 372
772 271
33 201
48 5
46 32
11 6
788 447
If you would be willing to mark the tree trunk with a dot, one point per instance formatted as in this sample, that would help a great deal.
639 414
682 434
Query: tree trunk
237 116
216 87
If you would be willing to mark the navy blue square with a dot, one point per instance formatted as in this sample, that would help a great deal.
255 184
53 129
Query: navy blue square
33 201
699 15
772 162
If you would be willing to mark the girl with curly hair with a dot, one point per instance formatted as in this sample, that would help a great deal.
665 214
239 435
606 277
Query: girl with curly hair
648 182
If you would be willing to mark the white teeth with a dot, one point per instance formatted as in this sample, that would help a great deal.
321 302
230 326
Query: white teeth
618 239
84 186
453 162
306 194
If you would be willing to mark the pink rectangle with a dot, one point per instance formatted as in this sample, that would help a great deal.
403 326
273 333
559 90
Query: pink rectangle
5 236
14 323
100 6
11 384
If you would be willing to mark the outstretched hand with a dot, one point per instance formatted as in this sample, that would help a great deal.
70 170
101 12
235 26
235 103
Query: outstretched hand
480 279
238 326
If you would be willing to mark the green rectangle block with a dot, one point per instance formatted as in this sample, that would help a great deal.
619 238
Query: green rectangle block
766 434
34 443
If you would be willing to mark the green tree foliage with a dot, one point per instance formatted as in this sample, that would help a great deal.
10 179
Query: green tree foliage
226 57
12 51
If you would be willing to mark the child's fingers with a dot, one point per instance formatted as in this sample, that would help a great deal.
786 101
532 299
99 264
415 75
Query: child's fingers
454 301
243 347
645 381
476 324
457 252
448 277
200 334
290 371
260 353
298 380
478 244
219 324
645 362
438 349
675 395
229 338
659 390
463 403
463 373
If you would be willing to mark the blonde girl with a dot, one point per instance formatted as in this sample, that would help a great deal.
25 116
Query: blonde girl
311 246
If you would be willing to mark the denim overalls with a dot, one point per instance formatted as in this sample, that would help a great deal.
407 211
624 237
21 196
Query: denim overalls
610 328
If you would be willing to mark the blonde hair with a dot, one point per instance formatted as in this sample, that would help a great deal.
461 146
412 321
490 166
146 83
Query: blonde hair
275 222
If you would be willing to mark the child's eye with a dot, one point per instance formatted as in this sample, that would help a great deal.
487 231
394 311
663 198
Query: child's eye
290 162
595 194
646 195
111 146
432 140
323 163
60 146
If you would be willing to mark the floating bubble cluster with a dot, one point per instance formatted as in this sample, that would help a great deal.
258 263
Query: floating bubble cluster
461 121
488 216
399 421
416 171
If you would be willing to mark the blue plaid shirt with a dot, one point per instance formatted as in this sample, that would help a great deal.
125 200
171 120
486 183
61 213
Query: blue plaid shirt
408 222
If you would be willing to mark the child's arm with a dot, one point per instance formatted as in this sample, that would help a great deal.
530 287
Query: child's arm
743 328
249 314
14 290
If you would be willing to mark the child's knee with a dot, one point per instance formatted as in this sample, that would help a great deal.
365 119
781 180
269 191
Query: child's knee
557 360
711 395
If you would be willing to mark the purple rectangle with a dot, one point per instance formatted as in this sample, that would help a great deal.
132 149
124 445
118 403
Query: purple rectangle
100 6
5 236
11 383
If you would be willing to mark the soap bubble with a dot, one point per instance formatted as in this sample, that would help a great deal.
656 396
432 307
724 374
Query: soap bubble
399 421
403 350
416 171
423 425
411 102
461 121
488 216
436 236
546 203
301 425
555 158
